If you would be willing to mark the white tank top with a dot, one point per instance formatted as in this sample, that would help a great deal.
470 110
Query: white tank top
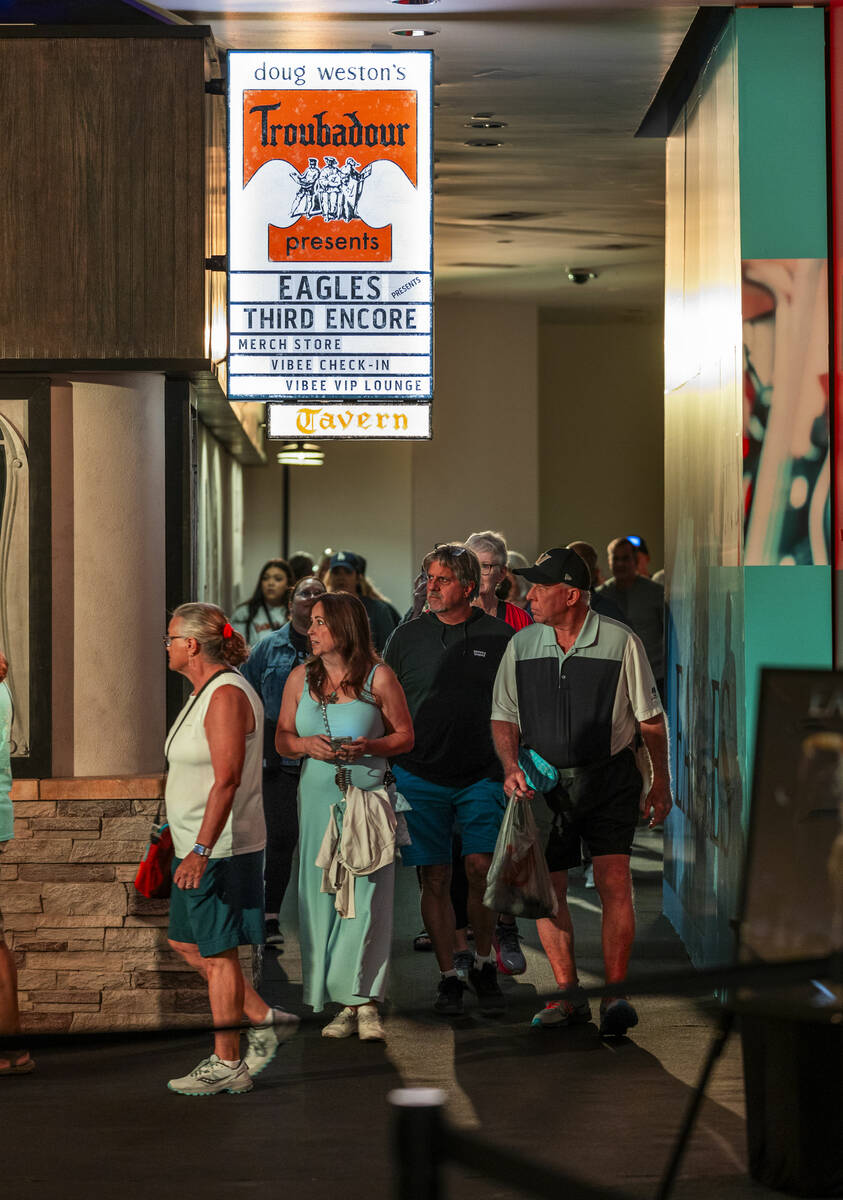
191 777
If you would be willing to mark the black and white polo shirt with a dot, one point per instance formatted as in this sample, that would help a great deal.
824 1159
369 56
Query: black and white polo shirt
581 707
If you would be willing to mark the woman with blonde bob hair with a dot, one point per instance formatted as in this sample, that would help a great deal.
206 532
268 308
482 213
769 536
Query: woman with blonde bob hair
344 712
215 811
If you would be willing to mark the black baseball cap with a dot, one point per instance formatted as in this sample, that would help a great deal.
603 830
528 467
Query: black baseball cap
558 566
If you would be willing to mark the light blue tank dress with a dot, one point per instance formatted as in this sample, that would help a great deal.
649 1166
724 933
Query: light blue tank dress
344 959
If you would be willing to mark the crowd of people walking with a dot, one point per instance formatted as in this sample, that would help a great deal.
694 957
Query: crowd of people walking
321 718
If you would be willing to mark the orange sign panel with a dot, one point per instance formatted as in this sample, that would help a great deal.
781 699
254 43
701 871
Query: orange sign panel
303 127
352 241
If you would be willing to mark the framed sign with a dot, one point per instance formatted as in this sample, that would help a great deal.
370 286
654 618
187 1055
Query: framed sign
793 890
330 240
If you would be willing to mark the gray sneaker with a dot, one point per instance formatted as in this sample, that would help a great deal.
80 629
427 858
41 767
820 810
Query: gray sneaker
561 1014
510 956
213 1076
262 1041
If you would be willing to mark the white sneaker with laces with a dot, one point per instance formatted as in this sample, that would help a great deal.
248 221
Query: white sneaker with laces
369 1025
213 1076
343 1025
262 1041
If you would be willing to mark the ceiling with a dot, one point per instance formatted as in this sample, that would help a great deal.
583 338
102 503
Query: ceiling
570 186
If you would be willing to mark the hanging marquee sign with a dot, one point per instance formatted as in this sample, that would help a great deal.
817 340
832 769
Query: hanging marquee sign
330 240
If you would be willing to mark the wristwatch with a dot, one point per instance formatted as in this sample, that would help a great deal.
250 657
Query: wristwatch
205 851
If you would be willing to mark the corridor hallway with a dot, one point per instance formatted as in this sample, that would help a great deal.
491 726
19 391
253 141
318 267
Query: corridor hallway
100 1121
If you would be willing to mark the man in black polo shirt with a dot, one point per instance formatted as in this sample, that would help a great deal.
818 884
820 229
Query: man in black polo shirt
572 688
446 661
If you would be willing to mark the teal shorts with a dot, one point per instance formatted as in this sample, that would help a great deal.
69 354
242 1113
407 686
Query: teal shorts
225 911
474 812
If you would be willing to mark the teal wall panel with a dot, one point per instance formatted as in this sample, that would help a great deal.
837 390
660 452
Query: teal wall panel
781 106
787 623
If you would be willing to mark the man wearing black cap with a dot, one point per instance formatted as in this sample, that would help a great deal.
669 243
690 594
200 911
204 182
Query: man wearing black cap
572 687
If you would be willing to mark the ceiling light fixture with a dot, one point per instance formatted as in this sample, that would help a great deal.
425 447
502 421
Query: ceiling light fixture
413 3
580 274
301 454
413 32
479 142
474 124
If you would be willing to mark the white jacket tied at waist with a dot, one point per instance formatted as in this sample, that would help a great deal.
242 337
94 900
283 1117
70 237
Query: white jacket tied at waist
366 844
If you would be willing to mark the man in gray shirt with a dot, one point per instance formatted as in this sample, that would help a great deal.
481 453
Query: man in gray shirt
640 600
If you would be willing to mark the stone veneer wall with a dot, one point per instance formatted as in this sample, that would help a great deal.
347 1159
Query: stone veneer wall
91 952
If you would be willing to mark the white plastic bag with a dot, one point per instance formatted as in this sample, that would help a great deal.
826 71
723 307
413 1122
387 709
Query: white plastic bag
518 882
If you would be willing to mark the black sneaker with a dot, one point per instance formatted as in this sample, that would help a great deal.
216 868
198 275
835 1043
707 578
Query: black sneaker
616 1016
448 1000
485 983
273 937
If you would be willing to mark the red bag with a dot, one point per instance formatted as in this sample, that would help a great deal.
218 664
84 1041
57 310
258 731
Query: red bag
155 878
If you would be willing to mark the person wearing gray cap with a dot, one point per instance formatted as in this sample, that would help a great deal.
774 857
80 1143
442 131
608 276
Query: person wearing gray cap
572 689
346 572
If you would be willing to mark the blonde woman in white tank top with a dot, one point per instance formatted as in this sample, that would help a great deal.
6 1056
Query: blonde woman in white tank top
215 811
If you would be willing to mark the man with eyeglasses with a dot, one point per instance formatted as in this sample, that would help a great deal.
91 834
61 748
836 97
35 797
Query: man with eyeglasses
446 661
267 670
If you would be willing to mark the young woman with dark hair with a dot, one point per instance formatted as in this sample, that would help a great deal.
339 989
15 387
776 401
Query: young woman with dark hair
266 609
345 713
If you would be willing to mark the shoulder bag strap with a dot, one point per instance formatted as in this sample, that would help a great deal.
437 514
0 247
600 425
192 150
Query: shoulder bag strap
189 709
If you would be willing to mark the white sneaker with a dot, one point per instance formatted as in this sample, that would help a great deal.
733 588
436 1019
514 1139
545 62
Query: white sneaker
213 1076
343 1025
262 1041
369 1026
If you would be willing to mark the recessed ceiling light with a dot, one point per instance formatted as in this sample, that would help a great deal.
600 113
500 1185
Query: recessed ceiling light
580 274
412 32
479 142
485 124
413 3
482 116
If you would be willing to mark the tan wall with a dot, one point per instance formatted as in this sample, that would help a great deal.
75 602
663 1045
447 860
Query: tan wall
602 434
359 500
219 528
108 575
480 471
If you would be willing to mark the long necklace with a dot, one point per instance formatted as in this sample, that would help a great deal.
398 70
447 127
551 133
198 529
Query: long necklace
333 696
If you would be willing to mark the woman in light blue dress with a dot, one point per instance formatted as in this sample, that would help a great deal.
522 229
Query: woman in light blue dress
342 710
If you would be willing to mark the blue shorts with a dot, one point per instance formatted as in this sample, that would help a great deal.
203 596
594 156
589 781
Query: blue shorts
475 811
226 910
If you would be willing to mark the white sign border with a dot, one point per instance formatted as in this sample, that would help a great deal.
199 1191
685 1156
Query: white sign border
425 402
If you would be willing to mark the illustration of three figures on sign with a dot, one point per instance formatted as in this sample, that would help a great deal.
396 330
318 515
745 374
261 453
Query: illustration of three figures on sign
332 191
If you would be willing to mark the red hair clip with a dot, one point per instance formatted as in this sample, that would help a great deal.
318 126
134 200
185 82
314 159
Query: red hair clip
227 631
